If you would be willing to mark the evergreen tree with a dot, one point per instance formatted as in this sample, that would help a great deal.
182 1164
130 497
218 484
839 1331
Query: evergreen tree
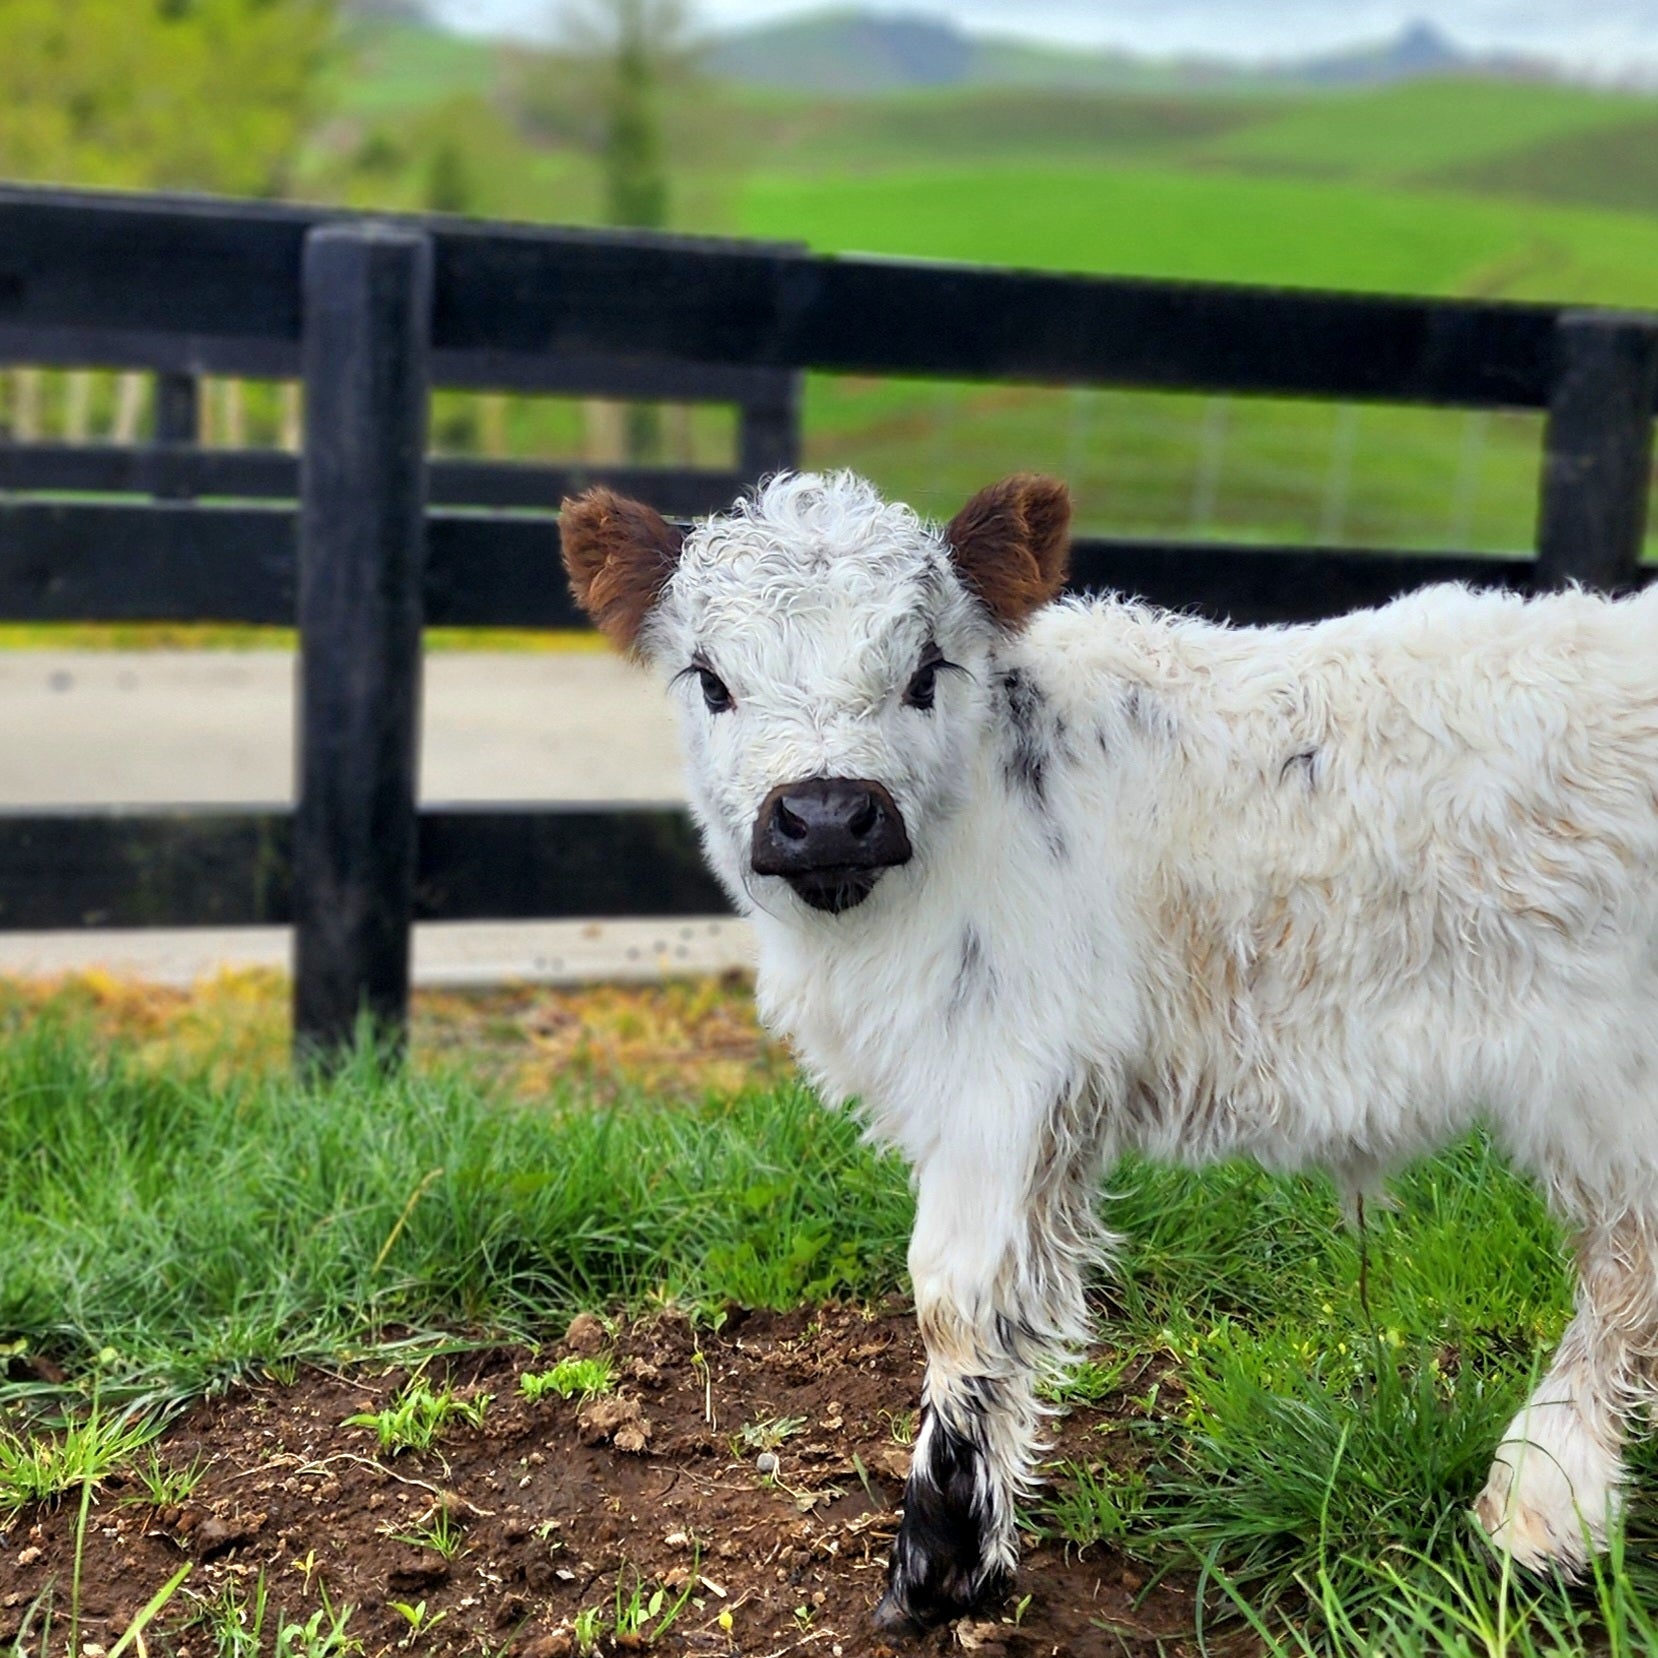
636 47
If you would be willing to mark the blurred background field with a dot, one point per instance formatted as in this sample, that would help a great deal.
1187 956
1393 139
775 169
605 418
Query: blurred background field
680 1040
1409 164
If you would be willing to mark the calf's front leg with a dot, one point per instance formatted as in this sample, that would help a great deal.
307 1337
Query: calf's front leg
1002 1243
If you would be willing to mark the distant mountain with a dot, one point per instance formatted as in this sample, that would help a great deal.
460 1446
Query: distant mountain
859 51
846 52
415 13
1417 52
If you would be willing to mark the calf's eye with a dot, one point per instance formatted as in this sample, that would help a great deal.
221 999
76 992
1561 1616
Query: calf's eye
714 692
923 685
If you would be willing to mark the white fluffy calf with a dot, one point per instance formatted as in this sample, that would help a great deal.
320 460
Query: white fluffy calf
1038 882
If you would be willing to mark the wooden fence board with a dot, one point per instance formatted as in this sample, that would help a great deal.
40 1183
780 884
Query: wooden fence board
271 474
230 271
194 867
171 562
1596 480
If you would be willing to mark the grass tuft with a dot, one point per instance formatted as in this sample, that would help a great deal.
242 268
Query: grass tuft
46 1468
420 1416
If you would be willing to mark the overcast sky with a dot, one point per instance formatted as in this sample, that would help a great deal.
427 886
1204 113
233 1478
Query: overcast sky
1609 35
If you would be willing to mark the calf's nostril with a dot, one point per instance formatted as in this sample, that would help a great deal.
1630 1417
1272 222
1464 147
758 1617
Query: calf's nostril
866 817
788 825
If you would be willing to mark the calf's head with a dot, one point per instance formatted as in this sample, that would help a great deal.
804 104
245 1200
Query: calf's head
829 651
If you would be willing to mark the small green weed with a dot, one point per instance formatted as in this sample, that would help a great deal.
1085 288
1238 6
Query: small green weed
441 1533
418 1619
581 1379
1096 1503
646 1618
419 1417
587 1628
768 1433
325 1634
1087 1382
241 1622
901 1425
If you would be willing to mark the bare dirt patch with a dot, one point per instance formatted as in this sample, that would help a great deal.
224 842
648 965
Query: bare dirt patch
554 1504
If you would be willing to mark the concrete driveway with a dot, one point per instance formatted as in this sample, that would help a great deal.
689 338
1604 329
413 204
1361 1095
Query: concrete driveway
200 727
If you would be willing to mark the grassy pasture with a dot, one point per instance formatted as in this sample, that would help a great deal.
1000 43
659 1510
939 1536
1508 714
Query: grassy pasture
1418 128
392 69
1164 221
167 1228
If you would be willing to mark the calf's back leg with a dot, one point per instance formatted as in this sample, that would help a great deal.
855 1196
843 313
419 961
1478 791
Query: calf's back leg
1556 1484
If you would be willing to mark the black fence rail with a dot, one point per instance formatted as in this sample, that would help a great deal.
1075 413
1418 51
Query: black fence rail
372 315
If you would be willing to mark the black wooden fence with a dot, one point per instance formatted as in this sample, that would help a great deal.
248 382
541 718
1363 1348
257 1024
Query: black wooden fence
374 314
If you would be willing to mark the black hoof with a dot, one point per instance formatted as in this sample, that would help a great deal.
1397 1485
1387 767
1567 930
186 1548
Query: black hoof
892 1617
903 1617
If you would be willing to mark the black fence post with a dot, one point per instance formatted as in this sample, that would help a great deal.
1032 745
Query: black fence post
366 350
177 431
768 427
1597 451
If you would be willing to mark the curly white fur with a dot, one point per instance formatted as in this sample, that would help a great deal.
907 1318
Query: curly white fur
1322 895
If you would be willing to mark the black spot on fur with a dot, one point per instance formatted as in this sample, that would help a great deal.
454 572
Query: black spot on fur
1148 714
1306 761
975 977
1016 1336
937 1571
1026 760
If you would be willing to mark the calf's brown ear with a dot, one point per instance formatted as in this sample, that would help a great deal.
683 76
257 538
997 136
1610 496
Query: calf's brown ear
1010 544
619 555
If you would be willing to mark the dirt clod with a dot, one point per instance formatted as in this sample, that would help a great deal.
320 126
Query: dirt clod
586 1335
560 1644
218 1535
616 1419
417 1569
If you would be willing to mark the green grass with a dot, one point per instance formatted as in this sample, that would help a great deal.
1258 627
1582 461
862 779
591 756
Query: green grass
36 1469
1401 132
1614 167
131 1205
395 70
1162 221
1312 1455
1282 470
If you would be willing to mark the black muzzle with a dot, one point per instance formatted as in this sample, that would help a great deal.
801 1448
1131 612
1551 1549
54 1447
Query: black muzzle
829 838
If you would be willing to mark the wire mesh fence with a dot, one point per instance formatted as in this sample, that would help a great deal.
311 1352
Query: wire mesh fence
1230 468
1138 463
